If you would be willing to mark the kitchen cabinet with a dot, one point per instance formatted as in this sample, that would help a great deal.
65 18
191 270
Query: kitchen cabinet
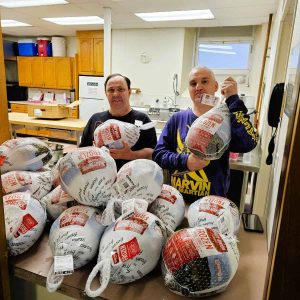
46 72
90 49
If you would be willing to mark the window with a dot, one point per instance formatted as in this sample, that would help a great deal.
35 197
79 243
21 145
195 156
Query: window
221 56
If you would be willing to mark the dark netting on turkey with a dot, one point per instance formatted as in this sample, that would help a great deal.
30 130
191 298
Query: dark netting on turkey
112 133
210 134
87 174
198 262
215 212
24 154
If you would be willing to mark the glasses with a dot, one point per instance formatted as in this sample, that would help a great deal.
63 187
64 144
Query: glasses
118 90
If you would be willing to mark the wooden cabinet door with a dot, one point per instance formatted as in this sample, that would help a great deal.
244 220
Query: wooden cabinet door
98 56
24 71
85 56
64 73
37 72
49 69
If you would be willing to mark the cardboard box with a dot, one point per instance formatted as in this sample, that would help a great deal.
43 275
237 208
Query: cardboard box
50 111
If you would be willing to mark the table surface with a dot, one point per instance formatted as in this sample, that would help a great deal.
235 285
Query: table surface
248 283
68 124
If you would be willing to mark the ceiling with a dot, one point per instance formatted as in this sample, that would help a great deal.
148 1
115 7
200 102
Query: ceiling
226 12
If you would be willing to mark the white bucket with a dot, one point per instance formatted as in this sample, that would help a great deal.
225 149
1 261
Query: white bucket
58 46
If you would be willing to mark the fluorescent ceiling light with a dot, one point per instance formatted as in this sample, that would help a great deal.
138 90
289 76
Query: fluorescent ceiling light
76 20
215 47
26 3
13 23
176 15
217 51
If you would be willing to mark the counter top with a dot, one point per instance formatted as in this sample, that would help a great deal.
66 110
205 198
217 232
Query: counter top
248 283
68 124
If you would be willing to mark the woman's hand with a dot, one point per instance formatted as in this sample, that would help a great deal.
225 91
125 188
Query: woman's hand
123 153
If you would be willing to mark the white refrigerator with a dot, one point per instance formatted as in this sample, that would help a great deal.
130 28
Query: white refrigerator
92 98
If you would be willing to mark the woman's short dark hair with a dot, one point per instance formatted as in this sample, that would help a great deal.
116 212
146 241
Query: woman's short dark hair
115 75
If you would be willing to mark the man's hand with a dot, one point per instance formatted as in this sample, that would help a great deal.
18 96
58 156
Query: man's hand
195 163
229 87
124 153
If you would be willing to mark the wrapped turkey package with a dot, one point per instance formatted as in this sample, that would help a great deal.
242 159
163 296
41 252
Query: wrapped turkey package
169 207
129 249
210 134
24 154
140 179
25 219
199 262
215 212
87 174
76 232
38 183
56 202
112 133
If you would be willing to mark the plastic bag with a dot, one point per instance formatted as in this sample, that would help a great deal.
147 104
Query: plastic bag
87 174
129 249
169 206
210 134
199 262
25 219
77 232
24 154
215 212
38 183
112 133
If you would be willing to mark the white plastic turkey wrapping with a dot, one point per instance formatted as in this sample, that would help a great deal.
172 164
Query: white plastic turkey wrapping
38 183
77 232
210 134
25 220
112 133
24 154
140 179
169 207
129 249
56 202
87 174
216 212
199 262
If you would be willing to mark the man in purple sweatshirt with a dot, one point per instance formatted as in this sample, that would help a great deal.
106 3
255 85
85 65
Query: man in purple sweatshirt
200 177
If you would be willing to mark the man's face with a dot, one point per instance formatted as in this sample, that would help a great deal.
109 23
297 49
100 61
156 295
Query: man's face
117 93
201 82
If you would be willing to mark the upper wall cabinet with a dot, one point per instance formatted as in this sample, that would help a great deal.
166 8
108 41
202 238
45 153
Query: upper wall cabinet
46 72
90 49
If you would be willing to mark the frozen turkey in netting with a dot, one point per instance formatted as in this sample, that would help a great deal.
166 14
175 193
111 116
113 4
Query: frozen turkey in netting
169 207
210 134
216 212
129 249
139 179
199 262
87 174
56 202
112 133
38 183
25 219
77 232
24 154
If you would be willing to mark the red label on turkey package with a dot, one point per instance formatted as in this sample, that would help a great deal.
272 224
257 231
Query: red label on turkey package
75 218
16 199
166 195
129 250
132 223
27 224
92 164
